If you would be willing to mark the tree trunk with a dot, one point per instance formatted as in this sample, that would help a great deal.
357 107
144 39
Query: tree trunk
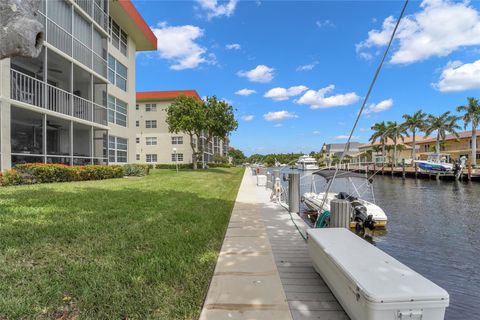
395 152
414 150
437 147
200 149
194 152
474 144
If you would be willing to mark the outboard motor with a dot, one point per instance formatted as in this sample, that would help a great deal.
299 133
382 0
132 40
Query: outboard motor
360 216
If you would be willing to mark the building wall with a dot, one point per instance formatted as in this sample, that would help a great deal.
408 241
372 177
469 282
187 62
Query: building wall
164 147
128 96
455 148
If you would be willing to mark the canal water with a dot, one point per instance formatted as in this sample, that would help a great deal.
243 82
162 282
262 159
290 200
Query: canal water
434 228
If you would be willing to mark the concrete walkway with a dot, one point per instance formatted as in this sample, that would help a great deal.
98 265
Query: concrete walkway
264 271
246 283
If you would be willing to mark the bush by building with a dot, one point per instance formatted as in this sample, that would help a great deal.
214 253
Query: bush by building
137 170
46 173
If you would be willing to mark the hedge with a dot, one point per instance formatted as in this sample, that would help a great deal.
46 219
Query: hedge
46 173
173 166
137 170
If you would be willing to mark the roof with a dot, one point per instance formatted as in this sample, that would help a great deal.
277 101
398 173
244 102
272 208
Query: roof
462 135
389 142
341 174
125 14
165 95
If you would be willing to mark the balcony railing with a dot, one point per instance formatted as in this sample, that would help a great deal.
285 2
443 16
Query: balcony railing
100 16
40 94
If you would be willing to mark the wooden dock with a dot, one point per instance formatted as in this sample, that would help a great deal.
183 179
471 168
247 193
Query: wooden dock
307 294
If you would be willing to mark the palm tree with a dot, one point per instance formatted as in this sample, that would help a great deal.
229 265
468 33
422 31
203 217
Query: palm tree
471 114
413 123
380 130
395 132
442 124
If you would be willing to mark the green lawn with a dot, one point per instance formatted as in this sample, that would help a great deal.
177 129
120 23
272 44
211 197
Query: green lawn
133 248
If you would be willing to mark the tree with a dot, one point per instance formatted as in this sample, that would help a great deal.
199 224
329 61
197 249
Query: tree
442 124
220 119
471 114
413 123
187 114
395 131
380 131
237 156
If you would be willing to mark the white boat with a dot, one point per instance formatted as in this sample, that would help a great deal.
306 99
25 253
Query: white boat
307 163
364 213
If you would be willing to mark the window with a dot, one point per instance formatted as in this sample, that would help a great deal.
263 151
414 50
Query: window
179 157
117 149
117 73
137 123
151 141
117 111
151 158
177 140
194 142
118 36
137 107
150 124
150 107
137 140
137 157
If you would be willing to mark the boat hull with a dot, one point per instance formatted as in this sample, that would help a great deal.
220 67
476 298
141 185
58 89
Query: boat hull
432 166
380 222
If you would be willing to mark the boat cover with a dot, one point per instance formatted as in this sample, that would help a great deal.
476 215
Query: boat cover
341 174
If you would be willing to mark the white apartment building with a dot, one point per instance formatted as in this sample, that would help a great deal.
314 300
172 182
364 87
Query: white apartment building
155 144
74 104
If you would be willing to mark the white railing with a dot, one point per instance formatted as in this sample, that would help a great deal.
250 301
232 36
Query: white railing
58 37
99 65
82 53
32 91
86 5
100 16
58 100
82 108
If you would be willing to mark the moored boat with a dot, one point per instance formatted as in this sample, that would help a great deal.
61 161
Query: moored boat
307 163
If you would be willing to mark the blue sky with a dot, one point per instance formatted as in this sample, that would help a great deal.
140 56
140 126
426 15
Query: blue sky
319 57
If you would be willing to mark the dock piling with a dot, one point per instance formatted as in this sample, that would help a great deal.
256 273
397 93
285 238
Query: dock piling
403 169
340 211
294 192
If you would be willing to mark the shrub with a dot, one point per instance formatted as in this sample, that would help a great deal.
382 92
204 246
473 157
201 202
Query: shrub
46 173
11 178
172 166
137 170
219 165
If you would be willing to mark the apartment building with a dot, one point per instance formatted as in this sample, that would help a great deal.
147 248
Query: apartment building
155 144
455 147
74 104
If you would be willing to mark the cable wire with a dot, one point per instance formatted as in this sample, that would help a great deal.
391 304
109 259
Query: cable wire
364 102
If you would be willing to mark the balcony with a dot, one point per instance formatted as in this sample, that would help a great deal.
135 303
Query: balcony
94 10
27 89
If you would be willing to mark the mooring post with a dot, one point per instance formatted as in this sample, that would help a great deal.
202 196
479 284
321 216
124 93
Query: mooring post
403 169
415 167
340 212
393 167
294 192
275 175
469 171
269 183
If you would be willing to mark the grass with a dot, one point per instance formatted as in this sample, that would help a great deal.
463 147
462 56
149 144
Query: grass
133 248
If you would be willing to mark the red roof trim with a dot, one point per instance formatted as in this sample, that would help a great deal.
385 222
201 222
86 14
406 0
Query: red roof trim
130 9
166 95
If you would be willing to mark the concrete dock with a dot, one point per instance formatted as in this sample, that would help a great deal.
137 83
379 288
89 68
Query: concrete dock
264 270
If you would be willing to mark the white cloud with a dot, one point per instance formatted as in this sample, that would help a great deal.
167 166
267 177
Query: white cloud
318 99
245 92
457 76
247 117
316 132
233 46
280 94
324 23
344 137
215 9
177 44
279 115
438 29
379 107
261 73
307 67
278 125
